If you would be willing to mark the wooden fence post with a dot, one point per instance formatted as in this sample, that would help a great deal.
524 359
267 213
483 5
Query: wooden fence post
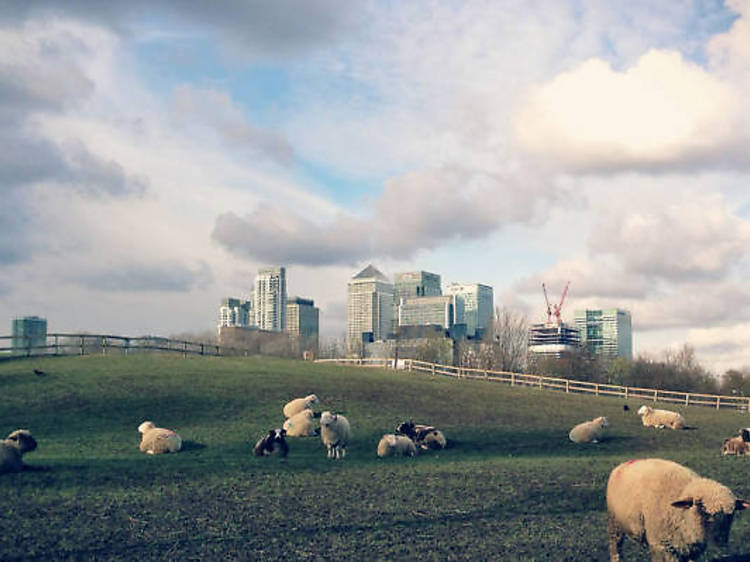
718 402
626 392
82 345
656 394
567 386
596 390
512 379
687 399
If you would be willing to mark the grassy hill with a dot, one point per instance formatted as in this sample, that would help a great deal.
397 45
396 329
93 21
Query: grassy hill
510 486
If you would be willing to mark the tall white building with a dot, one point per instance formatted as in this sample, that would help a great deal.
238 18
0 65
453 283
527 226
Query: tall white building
235 312
607 332
269 299
475 308
369 309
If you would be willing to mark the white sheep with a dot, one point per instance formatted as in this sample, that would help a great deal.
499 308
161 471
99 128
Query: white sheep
298 404
335 433
158 440
669 507
589 431
13 447
396 445
661 418
300 424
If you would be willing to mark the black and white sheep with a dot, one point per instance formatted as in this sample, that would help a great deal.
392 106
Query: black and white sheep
13 447
335 432
158 440
669 507
424 436
391 445
738 445
272 444
295 406
301 424
661 418
589 431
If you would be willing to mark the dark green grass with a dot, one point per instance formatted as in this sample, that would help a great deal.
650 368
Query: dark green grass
509 487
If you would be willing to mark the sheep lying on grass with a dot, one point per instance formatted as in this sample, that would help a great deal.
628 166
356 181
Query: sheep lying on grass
158 440
301 424
272 444
335 433
738 445
661 418
424 436
396 445
13 448
669 507
590 431
298 404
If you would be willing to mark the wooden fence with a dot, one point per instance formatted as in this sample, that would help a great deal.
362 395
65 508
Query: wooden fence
86 344
741 403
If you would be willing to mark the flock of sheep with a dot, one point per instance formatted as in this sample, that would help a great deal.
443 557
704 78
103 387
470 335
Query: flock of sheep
654 501
661 503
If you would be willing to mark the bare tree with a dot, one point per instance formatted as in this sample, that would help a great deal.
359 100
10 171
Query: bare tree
507 341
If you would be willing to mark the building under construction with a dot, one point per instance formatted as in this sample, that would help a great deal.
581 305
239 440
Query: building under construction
553 338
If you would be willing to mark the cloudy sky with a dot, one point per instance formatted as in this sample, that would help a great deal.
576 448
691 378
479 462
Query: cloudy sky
153 155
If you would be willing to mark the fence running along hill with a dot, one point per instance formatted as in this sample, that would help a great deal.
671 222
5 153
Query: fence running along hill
741 403
85 344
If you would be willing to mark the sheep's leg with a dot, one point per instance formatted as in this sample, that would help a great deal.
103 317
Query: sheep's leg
330 451
616 537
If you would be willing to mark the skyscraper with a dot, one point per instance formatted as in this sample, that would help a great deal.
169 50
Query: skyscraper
607 332
28 332
236 312
416 284
302 322
369 310
270 299
476 306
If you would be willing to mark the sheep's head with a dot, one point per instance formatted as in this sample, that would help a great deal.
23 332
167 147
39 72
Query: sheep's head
146 426
713 505
277 434
407 428
311 400
22 440
327 418
644 410
601 421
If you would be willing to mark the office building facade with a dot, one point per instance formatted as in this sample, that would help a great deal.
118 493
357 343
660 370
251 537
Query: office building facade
606 332
236 312
427 311
269 299
302 322
28 331
369 309
475 306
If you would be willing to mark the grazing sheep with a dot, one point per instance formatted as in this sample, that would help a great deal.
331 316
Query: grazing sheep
590 431
335 433
298 404
301 424
669 507
13 448
424 436
272 444
396 445
661 418
158 440
739 445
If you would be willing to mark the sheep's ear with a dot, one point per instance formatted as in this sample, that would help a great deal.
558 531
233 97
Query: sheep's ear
686 503
283 431
270 432
13 437
741 504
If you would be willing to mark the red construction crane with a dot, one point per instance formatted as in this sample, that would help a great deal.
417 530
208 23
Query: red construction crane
555 310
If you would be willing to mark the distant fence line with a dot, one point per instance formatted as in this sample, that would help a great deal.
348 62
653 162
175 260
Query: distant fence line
559 384
86 344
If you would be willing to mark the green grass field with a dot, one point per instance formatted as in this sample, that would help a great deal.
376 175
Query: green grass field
509 487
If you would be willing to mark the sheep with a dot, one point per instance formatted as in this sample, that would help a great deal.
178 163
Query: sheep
424 436
301 424
590 431
661 418
13 448
298 404
158 440
396 445
272 444
739 445
335 433
669 507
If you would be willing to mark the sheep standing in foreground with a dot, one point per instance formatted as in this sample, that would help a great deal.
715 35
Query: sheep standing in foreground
661 418
590 431
298 404
669 507
272 444
396 445
335 433
300 424
738 445
13 448
424 436
158 440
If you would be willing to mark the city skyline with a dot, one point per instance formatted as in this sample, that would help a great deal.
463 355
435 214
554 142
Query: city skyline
153 158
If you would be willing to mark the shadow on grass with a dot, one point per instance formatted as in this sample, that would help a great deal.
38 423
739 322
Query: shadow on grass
192 445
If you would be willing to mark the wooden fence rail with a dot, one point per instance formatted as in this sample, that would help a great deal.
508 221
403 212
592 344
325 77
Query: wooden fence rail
741 403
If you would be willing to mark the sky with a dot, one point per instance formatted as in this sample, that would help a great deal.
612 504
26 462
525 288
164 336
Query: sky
154 155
